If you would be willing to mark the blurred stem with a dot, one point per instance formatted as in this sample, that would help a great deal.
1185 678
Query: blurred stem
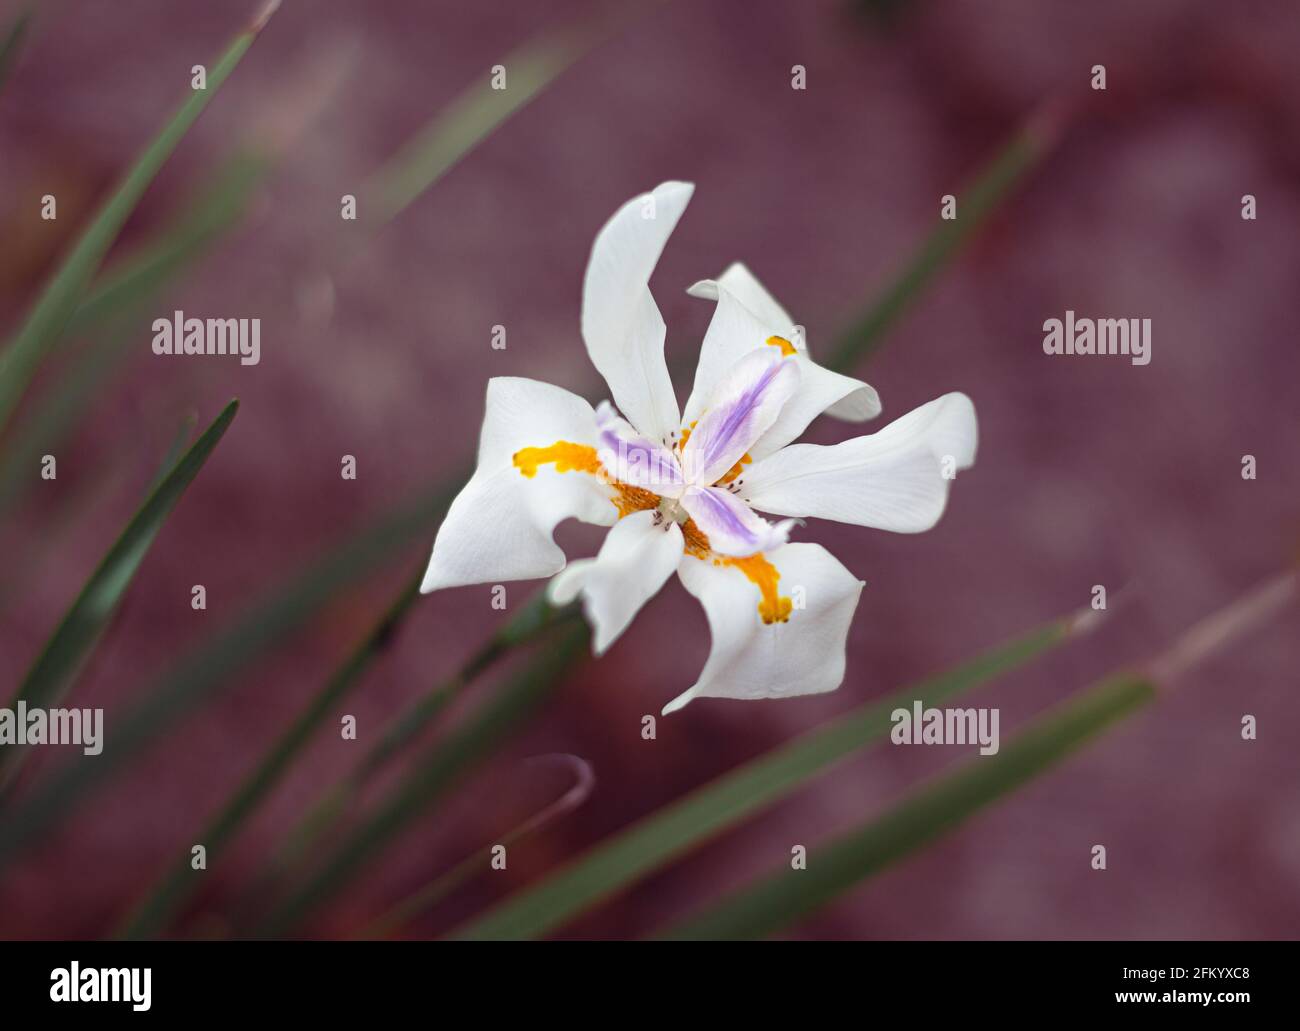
432 776
50 315
325 814
13 44
90 613
152 916
469 119
991 186
629 855
788 895
444 884
113 306
205 670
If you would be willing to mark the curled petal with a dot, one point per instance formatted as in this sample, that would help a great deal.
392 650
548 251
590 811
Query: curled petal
800 654
499 526
732 527
633 563
744 403
621 324
896 479
747 316
632 458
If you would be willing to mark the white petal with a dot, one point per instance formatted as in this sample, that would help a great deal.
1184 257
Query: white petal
732 527
499 526
632 458
753 659
744 404
621 324
635 560
746 317
891 480
733 332
746 288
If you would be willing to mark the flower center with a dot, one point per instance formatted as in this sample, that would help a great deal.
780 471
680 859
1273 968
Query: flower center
570 457
671 508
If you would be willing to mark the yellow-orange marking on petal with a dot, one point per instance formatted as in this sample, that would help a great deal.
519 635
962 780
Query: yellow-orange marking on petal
736 469
566 456
760 572
569 457
694 541
787 348
629 499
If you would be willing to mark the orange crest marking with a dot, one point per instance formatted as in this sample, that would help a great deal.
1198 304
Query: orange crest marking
760 572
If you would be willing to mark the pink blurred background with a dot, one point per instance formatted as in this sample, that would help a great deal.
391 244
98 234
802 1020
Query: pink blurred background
1090 471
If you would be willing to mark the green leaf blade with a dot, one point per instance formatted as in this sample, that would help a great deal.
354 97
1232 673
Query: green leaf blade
446 762
54 308
678 827
75 637
782 898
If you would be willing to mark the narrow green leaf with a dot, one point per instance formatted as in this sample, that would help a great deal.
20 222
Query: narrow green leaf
131 284
444 764
430 894
786 896
55 306
324 815
631 854
123 294
992 185
206 670
468 120
75 637
13 44
151 917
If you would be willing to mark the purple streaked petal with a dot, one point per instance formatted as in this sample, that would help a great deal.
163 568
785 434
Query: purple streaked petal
630 457
745 403
732 527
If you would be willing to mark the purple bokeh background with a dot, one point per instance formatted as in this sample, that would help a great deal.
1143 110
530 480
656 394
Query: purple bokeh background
1090 471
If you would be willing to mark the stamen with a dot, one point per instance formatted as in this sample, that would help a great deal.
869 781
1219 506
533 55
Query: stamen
787 348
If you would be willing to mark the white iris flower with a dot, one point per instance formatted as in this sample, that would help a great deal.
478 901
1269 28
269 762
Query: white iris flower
683 490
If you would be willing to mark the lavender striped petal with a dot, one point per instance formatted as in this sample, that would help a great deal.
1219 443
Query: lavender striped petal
732 527
745 403
631 458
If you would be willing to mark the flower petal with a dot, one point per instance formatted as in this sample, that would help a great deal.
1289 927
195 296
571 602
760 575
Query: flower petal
744 403
632 458
636 559
621 324
892 480
751 658
499 526
747 316
732 527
